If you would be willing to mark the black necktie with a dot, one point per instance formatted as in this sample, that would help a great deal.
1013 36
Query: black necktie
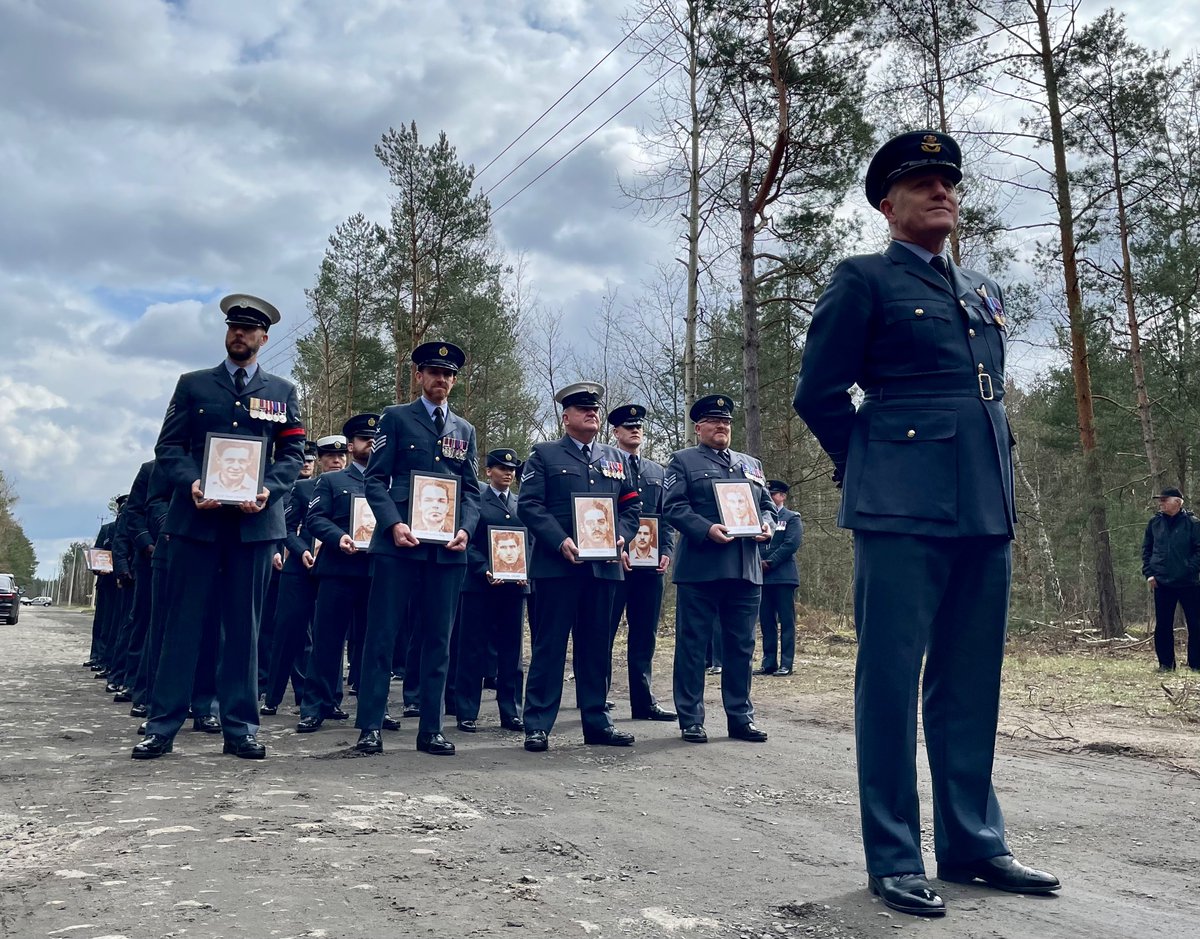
439 420
636 463
938 263
724 455
504 499
587 452
239 380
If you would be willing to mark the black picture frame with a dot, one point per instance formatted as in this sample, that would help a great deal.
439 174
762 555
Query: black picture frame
419 513
501 569
582 504
656 550
253 469
723 490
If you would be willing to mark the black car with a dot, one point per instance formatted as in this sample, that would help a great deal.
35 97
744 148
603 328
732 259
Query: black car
10 604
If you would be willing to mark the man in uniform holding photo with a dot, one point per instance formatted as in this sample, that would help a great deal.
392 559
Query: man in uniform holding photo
639 596
718 577
574 596
411 580
222 551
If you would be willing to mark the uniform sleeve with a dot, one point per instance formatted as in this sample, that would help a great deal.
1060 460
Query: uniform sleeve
173 451
677 506
284 469
766 505
1193 565
378 474
532 505
319 522
1148 549
629 507
121 545
158 501
135 508
783 551
294 515
666 538
468 513
833 359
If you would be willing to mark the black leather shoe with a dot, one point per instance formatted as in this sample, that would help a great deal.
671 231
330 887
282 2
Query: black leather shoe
111 688
536 741
908 893
139 710
100 671
207 723
88 664
410 710
337 714
513 723
695 734
609 737
390 723
435 744
122 697
369 741
308 724
1004 873
468 727
268 710
142 728
656 713
765 671
748 732
154 746
247 747
783 671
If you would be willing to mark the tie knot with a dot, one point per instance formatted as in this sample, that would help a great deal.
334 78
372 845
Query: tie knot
239 378
586 450
938 263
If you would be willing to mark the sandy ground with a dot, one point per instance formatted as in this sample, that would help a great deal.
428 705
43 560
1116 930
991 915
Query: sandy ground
665 839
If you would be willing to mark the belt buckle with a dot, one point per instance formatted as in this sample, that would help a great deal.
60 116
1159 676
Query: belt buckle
985 387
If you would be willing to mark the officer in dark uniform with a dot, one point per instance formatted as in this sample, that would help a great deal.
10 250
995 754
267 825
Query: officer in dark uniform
927 481
777 610
106 587
718 577
492 611
223 550
114 627
138 620
411 578
292 641
342 571
639 595
574 596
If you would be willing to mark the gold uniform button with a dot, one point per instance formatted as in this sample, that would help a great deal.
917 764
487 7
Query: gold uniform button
911 433
919 312
237 404
971 333
437 459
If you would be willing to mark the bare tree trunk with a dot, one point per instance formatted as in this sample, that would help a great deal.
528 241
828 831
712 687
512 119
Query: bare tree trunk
1109 611
750 325
693 238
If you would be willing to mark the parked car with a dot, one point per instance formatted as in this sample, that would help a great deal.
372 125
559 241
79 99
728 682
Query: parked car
40 601
10 606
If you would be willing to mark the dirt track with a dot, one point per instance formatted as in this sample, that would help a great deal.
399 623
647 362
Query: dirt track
666 839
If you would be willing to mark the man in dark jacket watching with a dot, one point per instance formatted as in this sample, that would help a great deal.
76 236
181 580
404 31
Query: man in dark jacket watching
1171 565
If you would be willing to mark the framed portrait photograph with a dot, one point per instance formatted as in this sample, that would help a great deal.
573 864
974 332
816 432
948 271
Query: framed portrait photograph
643 552
362 522
508 558
234 468
595 532
99 560
433 503
738 507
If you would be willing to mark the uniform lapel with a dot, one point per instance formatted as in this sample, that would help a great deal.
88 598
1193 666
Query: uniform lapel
569 445
422 416
907 260
222 378
257 383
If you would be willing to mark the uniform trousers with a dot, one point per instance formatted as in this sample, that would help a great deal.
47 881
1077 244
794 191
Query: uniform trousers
266 632
237 575
100 595
1166 598
639 597
291 637
424 595
116 632
341 610
137 623
944 600
577 608
777 619
204 679
730 606
494 615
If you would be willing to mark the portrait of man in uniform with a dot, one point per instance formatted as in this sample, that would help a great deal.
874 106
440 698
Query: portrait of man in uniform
643 551
736 502
507 554
595 532
362 522
434 507
233 469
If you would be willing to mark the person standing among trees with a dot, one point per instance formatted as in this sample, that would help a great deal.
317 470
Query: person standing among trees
1171 566
926 469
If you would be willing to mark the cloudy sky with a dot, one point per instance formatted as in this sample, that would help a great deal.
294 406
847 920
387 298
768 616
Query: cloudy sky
155 156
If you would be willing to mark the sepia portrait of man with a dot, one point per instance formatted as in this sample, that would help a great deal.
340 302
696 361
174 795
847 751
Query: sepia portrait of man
508 555
596 533
233 470
738 511
643 551
433 508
